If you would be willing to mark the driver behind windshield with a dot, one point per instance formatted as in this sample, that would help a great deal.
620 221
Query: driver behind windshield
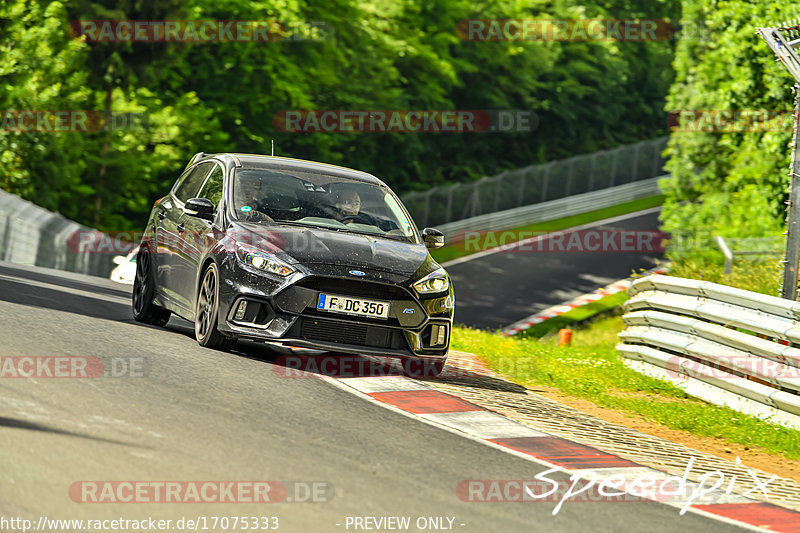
248 195
348 204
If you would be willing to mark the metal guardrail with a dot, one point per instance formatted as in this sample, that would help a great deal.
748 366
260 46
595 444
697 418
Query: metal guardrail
733 247
536 184
563 207
32 235
737 340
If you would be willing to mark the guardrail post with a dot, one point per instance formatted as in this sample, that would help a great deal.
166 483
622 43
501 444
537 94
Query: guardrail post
476 199
450 191
570 171
498 186
726 251
523 176
5 245
656 158
546 180
788 56
592 169
427 206
792 259
615 151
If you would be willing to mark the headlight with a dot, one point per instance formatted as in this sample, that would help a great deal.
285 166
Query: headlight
263 261
434 282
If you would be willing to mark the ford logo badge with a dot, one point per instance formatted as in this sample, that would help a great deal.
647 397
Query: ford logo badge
357 273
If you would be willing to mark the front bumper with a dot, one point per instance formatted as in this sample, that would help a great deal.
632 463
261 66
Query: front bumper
285 311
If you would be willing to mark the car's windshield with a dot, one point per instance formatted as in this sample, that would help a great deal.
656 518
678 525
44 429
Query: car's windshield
321 200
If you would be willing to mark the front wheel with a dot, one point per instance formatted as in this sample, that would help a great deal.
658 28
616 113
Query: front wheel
144 288
207 311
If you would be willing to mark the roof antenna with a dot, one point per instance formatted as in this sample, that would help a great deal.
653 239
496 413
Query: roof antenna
273 147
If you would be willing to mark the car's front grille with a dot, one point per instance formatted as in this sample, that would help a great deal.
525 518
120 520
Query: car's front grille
358 288
348 333
332 332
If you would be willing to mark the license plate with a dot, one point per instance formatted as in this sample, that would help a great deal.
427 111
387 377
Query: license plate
353 306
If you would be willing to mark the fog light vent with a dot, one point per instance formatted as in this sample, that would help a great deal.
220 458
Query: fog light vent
240 311
438 335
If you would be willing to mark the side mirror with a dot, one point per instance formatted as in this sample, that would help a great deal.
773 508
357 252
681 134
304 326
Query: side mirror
433 238
200 208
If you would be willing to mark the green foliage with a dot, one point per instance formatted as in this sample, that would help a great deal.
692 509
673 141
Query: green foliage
734 183
373 55
758 274
40 68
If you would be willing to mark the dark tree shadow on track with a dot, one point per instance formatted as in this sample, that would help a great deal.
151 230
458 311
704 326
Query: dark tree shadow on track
13 423
50 298
119 290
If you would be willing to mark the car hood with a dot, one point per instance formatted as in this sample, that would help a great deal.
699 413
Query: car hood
307 245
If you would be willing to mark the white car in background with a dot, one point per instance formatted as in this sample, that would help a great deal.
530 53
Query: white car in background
125 271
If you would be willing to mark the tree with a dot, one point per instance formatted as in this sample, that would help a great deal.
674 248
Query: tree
731 183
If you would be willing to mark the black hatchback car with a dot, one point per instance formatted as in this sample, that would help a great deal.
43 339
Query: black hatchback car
301 253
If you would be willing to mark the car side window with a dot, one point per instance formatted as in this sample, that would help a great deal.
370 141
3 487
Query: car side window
213 187
190 186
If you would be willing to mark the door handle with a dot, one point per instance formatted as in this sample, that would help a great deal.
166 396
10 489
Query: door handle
162 215
181 228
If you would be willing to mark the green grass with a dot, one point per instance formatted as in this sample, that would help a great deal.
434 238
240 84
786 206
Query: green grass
579 314
592 369
457 250
759 274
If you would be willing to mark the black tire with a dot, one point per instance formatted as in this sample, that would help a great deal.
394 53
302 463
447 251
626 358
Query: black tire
144 289
207 311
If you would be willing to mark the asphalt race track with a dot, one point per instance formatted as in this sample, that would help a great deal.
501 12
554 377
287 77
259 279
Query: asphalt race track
497 290
190 413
